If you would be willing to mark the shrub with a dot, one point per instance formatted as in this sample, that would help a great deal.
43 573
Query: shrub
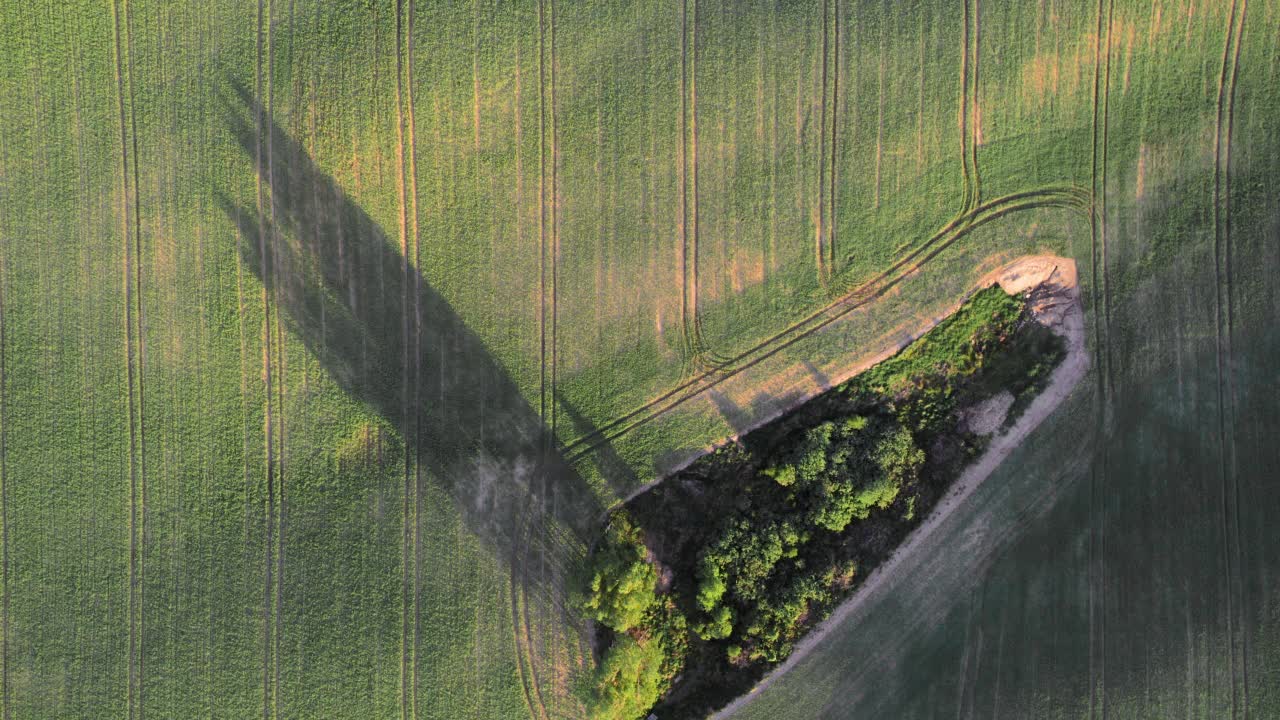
784 475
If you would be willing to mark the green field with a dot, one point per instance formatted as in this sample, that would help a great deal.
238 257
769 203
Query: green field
330 330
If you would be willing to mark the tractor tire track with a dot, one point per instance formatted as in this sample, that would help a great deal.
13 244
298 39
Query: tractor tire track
1224 325
1070 197
704 356
971 193
824 235
534 682
820 229
245 450
548 276
406 514
687 221
4 482
554 202
1231 385
523 652
542 210
281 507
920 99
967 195
771 246
534 531
875 199
275 330
514 590
975 116
1104 151
873 289
833 171
129 231
1098 272
140 365
415 428
269 673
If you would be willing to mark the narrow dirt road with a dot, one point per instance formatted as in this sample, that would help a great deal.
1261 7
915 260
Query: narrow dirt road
1055 302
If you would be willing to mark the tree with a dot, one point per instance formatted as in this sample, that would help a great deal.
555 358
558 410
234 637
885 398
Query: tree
871 477
623 582
778 621
899 458
719 627
640 666
743 558
807 461
630 679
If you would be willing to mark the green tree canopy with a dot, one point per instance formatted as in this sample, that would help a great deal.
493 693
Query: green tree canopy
623 582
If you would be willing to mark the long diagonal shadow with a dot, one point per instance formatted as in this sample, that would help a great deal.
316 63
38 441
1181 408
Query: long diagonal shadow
393 342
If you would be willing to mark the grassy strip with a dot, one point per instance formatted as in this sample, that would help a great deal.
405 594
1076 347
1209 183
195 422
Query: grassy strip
704 583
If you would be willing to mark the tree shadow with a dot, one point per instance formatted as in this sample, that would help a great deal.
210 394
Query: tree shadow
393 342
613 468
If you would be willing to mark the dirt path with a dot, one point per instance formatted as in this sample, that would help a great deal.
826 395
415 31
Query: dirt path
1055 300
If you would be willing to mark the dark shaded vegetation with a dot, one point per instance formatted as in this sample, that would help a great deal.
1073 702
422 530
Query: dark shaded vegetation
392 341
702 584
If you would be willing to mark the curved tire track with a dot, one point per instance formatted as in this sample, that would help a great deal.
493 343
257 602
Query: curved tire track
522 529
1067 197
1223 340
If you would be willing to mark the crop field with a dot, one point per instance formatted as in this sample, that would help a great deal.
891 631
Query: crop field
329 331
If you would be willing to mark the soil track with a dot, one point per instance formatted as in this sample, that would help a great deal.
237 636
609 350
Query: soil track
1223 339
4 502
409 383
131 230
687 223
970 195
828 136
1056 303
1102 327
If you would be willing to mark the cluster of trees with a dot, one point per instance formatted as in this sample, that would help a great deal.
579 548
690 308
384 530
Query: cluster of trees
769 540
770 570
764 575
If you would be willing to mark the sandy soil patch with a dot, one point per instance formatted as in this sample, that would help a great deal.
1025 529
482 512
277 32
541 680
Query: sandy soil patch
987 416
